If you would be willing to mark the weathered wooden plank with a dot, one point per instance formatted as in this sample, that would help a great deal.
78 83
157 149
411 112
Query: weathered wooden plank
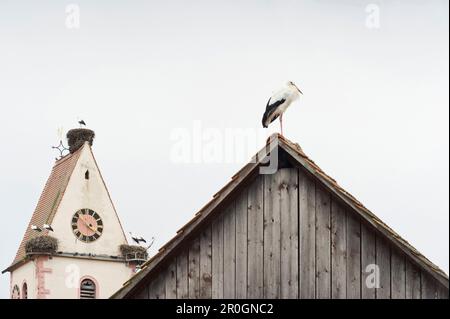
307 211
229 252
206 263
142 293
241 245
412 281
272 233
255 215
289 232
194 269
398 275
217 257
430 287
157 288
338 251
366 216
383 261
151 288
323 244
370 278
443 292
353 256
171 280
182 274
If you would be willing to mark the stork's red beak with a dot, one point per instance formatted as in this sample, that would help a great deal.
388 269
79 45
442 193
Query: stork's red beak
292 83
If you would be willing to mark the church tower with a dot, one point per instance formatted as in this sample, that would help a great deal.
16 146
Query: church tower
74 245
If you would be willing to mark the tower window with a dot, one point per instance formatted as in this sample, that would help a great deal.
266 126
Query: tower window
15 294
24 291
86 174
87 289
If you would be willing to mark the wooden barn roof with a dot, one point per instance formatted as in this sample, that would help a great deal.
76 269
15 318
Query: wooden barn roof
49 201
249 170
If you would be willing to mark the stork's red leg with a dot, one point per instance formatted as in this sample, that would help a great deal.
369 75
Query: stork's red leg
281 124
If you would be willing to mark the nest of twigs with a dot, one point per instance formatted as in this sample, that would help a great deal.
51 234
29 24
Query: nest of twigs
76 138
133 251
42 244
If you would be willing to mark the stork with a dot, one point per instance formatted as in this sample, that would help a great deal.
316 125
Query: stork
137 239
48 227
279 102
35 228
142 239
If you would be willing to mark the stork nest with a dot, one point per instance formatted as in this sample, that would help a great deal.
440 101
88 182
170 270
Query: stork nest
42 244
133 251
76 138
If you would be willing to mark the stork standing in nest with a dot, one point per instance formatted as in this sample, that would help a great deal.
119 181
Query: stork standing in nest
279 102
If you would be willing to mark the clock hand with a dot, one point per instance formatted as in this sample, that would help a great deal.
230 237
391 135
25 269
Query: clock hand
87 224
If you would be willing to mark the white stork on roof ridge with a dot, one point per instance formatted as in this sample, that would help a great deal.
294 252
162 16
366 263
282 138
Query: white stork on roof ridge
279 102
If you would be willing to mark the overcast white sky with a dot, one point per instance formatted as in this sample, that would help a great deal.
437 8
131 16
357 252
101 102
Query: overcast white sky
374 113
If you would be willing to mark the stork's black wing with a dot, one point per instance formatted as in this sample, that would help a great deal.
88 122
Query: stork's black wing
270 108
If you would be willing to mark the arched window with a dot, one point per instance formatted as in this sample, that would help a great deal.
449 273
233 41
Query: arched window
24 291
88 289
15 293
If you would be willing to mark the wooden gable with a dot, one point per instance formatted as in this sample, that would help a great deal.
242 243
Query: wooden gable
284 235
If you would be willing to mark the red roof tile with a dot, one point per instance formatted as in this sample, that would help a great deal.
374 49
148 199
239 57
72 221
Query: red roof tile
50 199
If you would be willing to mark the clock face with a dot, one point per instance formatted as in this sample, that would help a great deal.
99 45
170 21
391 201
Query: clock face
87 225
